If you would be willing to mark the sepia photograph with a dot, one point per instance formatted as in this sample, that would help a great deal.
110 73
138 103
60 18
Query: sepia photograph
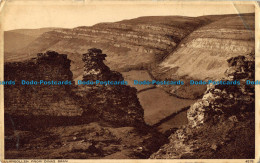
83 80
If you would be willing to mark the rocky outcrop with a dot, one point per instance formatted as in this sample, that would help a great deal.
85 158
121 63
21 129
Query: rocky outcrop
221 124
95 69
185 48
227 99
114 103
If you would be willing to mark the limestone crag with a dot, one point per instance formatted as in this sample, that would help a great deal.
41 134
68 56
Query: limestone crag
221 124
227 99
114 103
95 69
171 47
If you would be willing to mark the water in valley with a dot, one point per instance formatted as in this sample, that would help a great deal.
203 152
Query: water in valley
157 104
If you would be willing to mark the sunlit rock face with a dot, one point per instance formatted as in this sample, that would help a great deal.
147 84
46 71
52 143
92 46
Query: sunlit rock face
203 54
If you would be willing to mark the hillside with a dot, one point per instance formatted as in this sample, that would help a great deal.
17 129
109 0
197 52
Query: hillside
20 38
16 41
203 53
173 42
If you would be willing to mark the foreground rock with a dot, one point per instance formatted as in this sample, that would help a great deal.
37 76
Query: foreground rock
89 141
222 123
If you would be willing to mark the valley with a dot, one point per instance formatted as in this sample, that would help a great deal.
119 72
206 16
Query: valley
103 122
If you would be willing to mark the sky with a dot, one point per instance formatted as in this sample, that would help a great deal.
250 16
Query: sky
17 14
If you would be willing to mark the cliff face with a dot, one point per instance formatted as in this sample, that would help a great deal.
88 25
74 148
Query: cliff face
222 123
203 53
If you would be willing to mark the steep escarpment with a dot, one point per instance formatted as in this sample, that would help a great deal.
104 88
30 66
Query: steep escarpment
203 53
48 120
205 50
222 123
